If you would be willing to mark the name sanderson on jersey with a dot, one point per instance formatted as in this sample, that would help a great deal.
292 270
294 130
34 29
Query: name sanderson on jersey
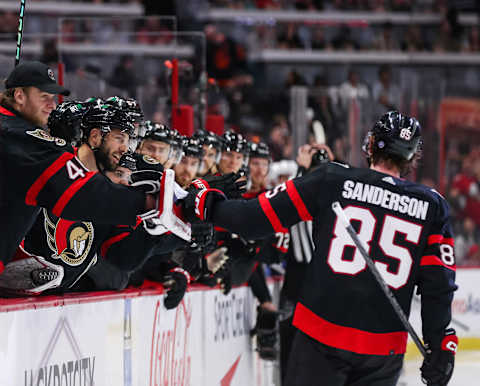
376 195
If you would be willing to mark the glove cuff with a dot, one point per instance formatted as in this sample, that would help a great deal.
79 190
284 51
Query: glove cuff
182 271
201 199
450 341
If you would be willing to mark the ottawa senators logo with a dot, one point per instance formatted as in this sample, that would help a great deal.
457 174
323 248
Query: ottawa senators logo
69 241
43 135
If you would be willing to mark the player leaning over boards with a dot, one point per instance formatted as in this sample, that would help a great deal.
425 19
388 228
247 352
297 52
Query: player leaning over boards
348 332
38 170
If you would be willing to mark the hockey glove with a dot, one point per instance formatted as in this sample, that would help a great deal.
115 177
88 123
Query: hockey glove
203 237
266 330
148 181
176 282
229 184
200 201
437 367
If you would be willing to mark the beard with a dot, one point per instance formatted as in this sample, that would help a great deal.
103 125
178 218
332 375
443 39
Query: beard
104 160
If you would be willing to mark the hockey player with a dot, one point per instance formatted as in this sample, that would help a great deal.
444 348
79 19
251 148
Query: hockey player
160 143
38 170
348 332
234 153
212 150
187 169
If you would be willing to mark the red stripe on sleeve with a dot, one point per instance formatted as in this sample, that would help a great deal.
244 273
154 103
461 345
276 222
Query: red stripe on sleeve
435 260
271 215
434 239
69 193
115 239
298 202
40 182
4 111
449 241
439 239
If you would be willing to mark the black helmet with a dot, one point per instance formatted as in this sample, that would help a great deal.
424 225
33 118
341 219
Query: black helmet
259 150
192 147
129 105
106 118
157 132
65 121
394 134
234 142
208 138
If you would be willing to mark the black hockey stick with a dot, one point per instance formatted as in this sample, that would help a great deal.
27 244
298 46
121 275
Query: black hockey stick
20 32
337 208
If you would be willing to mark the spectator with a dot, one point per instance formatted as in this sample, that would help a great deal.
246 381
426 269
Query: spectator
352 88
386 41
413 39
290 38
386 95
124 76
466 239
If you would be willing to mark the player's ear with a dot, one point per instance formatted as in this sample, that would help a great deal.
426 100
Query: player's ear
19 96
95 138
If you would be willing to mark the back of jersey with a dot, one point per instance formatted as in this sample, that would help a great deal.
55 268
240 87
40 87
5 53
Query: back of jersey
406 230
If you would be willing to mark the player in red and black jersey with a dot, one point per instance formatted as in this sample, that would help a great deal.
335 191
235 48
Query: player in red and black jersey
38 170
64 250
348 332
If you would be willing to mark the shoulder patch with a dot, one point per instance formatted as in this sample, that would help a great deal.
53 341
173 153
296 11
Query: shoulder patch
45 136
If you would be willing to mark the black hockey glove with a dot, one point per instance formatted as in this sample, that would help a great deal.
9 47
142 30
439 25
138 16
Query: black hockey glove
266 330
199 203
203 238
176 282
437 367
148 181
228 184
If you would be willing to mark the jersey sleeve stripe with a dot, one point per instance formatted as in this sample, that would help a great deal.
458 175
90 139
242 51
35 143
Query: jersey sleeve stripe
108 243
69 193
270 213
298 202
40 182
435 260
439 239
348 338
4 111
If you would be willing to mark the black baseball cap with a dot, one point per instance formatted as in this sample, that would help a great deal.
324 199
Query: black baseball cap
35 74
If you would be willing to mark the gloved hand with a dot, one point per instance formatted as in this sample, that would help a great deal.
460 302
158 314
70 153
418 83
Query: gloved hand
175 282
437 367
147 181
203 236
200 201
229 184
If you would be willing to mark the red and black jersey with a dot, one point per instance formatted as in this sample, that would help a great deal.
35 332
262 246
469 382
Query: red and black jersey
407 230
77 245
38 170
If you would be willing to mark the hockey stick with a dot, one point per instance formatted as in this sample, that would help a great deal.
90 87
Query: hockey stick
337 208
20 32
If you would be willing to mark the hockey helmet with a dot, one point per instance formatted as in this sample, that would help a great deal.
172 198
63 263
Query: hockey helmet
259 150
129 105
234 142
192 147
394 134
65 121
106 118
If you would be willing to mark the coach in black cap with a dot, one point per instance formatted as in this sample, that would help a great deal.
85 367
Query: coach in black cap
30 91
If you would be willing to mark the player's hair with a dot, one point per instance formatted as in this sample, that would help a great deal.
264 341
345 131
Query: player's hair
379 156
7 97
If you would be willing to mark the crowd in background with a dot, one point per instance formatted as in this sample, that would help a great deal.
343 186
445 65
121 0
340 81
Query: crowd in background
240 85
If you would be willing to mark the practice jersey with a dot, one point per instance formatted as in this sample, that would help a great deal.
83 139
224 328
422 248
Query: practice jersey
38 170
407 232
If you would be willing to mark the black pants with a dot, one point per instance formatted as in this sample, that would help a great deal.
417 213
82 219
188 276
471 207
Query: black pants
314 364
